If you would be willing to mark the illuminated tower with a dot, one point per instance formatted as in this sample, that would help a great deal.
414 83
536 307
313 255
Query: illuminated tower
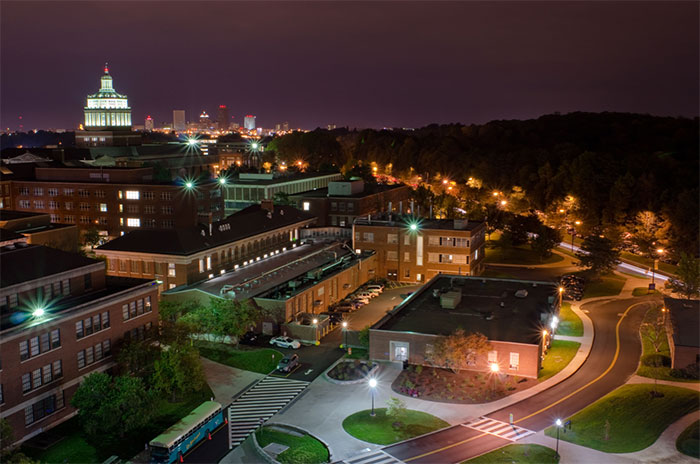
222 118
148 124
249 122
107 109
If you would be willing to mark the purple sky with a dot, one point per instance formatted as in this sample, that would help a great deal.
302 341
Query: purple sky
357 64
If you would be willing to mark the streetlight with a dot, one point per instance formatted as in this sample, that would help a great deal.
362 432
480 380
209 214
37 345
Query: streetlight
494 370
659 251
573 234
561 295
559 424
315 322
345 334
372 386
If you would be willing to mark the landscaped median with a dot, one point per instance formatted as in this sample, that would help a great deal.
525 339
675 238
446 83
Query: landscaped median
522 454
262 360
630 418
605 285
688 441
559 355
301 448
570 324
384 429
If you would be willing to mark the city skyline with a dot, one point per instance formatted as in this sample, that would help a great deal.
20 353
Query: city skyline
543 58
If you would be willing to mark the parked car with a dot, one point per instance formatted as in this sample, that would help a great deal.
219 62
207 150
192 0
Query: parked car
379 287
360 299
354 303
373 291
288 363
249 338
334 317
368 295
285 342
344 308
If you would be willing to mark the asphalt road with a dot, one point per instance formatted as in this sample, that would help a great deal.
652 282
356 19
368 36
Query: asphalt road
613 359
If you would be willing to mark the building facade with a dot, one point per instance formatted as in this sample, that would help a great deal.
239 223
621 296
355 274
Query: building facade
412 249
682 319
222 119
249 122
189 255
62 319
38 229
343 201
179 123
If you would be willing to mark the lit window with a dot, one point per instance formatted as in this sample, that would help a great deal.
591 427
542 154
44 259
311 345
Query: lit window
132 194
133 222
103 207
306 206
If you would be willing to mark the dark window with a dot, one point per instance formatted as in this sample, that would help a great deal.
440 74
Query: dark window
88 281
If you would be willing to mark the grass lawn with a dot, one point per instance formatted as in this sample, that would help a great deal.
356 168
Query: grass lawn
643 291
632 418
358 353
302 450
606 285
688 441
380 430
256 360
661 372
73 448
496 252
646 263
559 355
569 323
522 454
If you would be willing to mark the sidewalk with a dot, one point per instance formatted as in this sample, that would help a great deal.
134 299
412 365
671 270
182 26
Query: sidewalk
227 381
689 385
325 405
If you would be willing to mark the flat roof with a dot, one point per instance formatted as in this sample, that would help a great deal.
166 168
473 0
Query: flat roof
369 189
685 316
25 263
519 320
403 220
11 215
280 180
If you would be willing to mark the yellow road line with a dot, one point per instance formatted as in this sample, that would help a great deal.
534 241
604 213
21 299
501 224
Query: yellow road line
612 364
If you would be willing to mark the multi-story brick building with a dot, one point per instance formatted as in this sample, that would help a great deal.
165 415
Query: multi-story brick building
516 316
38 229
413 249
184 256
117 200
682 318
343 201
61 318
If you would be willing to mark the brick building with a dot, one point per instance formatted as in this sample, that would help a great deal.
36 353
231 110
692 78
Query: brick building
511 314
184 256
38 229
61 318
682 324
116 200
412 249
343 201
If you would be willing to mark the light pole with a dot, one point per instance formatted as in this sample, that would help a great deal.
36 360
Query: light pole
494 370
561 295
573 234
315 322
372 386
558 423
345 335
659 252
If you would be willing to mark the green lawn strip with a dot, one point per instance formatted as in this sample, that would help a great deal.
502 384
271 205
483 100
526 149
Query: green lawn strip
643 291
635 418
569 323
559 355
496 252
688 441
358 353
302 450
254 360
660 372
73 448
646 263
607 285
380 428
522 454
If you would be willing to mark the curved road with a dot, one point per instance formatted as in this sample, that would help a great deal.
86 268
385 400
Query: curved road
613 359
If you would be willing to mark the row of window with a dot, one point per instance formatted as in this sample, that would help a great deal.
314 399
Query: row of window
138 333
92 325
136 308
43 408
93 354
461 242
342 206
42 376
394 239
447 258
121 194
39 344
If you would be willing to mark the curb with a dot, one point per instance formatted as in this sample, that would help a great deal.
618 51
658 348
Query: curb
295 428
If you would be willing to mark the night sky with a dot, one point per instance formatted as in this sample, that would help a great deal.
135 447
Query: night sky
358 64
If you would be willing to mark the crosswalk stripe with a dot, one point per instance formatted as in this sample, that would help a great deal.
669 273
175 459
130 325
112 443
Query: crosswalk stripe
498 428
373 457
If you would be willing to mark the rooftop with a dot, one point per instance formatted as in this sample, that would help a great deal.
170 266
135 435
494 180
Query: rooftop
369 189
250 221
404 220
685 316
24 263
280 179
517 320
12 215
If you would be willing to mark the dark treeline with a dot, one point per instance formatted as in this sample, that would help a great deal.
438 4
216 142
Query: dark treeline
39 138
615 164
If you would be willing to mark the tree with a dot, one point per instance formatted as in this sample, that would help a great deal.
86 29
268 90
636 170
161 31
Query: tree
91 237
688 281
544 241
223 317
6 436
655 332
396 409
111 408
363 336
282 199
178 371
173 309
137 358
598 254
459 350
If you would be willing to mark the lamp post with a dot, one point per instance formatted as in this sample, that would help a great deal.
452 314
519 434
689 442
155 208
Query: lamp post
315 322
659 252
573 234
494 370
345 335
561 295
372 386
558 423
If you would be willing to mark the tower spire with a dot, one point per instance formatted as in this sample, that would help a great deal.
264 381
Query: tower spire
106 68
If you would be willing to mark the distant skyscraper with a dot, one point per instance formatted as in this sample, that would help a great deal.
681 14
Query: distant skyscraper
278 127
331 126
222 118
179 120
285 126
107 108
148 123
249 122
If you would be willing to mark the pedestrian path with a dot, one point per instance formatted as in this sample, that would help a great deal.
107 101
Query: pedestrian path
498 428
262 401
373 457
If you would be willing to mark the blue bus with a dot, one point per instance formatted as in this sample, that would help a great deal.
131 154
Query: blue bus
173 444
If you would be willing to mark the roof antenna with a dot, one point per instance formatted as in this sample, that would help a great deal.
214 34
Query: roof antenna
106 68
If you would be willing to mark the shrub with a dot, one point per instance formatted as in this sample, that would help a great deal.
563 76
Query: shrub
656 360
418 369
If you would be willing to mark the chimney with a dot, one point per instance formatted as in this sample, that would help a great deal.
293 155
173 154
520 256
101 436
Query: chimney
267 205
